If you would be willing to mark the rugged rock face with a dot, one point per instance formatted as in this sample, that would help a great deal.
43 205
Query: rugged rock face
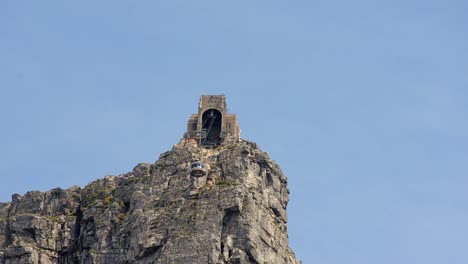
158 213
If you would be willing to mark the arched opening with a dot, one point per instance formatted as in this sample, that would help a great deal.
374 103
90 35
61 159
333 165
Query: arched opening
211 120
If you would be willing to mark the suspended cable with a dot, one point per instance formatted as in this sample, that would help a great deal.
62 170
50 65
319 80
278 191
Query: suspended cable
209 129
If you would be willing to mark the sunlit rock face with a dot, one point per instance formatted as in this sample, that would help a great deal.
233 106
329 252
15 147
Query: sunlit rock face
158 213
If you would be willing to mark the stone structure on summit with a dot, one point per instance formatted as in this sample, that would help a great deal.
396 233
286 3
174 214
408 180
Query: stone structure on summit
162 212
213 120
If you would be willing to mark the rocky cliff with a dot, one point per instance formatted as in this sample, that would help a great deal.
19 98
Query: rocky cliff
158 213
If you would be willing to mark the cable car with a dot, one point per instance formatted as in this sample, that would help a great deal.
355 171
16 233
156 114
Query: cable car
198 169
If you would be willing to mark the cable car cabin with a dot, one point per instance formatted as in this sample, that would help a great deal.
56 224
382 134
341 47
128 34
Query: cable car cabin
198 169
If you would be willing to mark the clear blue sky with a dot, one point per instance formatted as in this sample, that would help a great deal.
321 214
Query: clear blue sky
364 104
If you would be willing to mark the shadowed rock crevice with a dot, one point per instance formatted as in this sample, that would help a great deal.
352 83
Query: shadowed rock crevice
228 234
152 250
7 232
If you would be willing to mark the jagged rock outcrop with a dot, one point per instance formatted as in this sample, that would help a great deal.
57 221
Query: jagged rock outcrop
158 213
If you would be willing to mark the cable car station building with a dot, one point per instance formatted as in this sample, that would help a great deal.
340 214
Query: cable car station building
213 125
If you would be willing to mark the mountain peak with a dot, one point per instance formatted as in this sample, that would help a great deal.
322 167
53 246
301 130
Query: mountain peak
235 212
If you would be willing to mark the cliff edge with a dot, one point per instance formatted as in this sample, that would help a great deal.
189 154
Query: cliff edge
158 213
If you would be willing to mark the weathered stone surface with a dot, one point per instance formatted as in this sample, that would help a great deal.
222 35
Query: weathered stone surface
158 213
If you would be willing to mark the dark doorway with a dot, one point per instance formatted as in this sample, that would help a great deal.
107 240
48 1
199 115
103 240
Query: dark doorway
211 120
